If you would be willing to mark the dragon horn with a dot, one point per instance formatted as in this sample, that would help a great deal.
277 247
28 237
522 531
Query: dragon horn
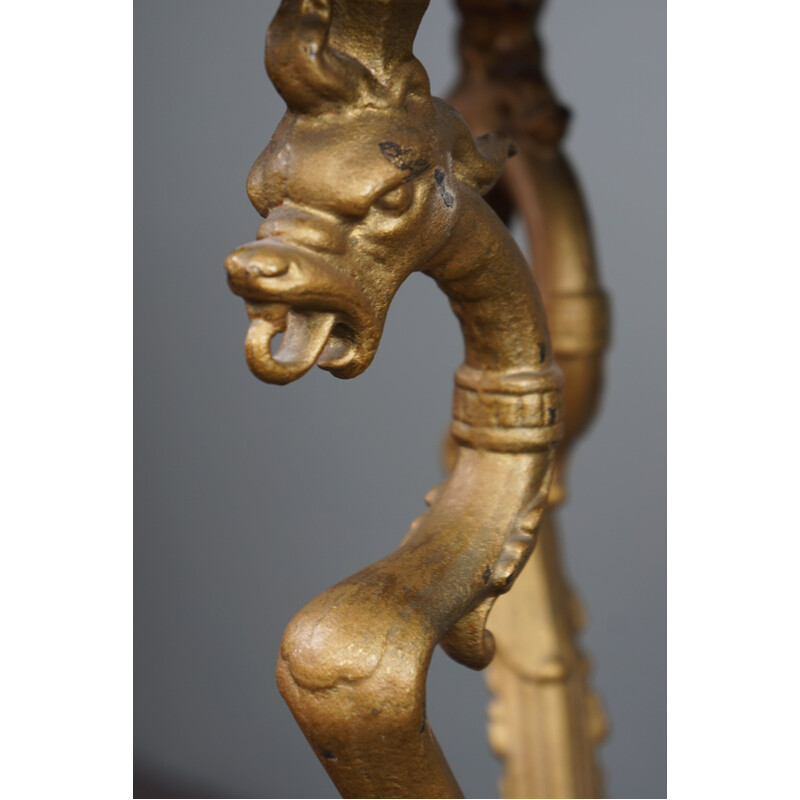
320 52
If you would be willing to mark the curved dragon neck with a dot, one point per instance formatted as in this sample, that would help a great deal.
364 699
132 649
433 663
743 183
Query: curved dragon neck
491 290
507 396
506 420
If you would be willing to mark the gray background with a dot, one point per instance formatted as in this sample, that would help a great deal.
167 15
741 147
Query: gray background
252 499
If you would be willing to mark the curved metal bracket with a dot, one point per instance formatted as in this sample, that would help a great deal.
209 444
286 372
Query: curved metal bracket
367 179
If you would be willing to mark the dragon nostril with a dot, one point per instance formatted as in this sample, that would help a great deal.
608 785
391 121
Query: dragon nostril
267 264
245 266
270 269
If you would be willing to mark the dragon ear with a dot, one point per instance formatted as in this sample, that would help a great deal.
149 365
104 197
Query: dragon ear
479 161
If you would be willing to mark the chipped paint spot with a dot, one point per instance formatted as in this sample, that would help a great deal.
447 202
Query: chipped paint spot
404 158
441 181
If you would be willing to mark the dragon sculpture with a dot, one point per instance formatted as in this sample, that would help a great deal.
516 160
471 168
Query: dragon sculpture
367 179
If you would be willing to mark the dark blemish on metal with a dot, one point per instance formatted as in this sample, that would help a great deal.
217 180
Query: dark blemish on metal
447 198
487 573
374 712
404 158
551 416
327 754
542 352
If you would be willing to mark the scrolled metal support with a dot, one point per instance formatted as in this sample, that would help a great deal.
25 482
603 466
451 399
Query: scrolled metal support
367 179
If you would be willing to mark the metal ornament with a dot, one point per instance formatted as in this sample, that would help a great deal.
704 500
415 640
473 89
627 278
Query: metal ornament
367 179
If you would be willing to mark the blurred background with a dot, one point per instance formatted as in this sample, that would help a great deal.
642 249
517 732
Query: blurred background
252 499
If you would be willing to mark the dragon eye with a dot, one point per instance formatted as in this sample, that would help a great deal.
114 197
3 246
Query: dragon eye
398 199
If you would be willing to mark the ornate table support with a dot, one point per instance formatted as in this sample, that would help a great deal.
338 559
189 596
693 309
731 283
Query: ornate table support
544 721
367 179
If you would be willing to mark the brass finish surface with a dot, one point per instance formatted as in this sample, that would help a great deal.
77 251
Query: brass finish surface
545 721
367 179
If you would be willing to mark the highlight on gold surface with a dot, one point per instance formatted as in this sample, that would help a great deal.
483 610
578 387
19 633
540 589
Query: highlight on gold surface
367 179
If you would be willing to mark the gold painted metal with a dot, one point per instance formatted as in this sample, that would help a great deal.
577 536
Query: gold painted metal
545 721
367 179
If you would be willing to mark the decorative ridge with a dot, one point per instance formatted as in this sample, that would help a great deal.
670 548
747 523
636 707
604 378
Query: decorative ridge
520 382
508 412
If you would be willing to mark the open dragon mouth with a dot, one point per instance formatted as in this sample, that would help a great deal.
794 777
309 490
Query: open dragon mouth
309 337
324 313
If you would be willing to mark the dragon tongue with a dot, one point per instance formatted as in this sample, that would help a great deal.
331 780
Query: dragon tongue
306 334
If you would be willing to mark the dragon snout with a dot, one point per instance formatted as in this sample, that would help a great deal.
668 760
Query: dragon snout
321 310
246 266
